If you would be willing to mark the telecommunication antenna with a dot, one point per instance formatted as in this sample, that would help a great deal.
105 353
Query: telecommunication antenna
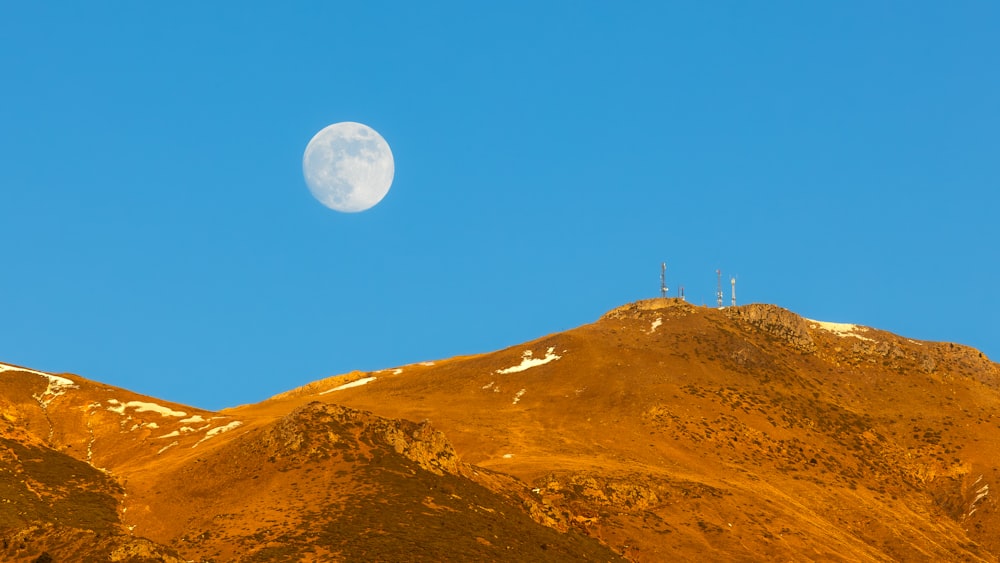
718 290
733 281
663 279
682 294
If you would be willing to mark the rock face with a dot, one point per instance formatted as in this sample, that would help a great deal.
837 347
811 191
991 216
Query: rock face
777 322
319 430
661 432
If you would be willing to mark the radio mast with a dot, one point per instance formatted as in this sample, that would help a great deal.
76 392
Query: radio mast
663 279
733 280
718 290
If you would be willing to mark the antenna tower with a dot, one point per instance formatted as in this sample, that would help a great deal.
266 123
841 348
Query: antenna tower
718 290
733 280
663 279
682 294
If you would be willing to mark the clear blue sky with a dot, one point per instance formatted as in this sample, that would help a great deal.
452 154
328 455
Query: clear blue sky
842 159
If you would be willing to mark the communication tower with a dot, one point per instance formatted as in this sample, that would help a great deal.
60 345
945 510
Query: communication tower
663 279
682 294
718 290
733 281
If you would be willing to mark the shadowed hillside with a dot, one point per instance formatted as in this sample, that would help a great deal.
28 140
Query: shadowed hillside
663 431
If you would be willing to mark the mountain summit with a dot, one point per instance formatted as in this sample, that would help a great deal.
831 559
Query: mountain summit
663 431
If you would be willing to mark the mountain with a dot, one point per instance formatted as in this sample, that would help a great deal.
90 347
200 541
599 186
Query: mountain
663 431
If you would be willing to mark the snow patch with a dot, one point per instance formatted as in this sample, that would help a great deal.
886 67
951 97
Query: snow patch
192 419
528 361
508 456
142 406
656 324
841 329
167 447
219 430
517 396
183 430
981 493
426 363
397 371
488 385
358 383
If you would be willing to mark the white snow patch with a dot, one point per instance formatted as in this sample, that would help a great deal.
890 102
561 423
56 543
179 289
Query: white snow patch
358 383
655 325
981 494
841 329
183 430
142 406
426 363
219 430
191 419
517 396
528 361
397 371
508 456
488 385
167 447
914 342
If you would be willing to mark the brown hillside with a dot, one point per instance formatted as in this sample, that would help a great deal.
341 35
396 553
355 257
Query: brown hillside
660 432
747 433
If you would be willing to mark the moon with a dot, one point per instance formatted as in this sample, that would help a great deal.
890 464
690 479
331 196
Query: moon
348 167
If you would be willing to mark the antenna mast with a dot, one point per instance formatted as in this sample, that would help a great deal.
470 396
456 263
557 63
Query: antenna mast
733 280
718 290
663 279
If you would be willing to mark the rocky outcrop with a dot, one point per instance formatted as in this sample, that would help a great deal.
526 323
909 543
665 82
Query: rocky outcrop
319 430
777 322
635 310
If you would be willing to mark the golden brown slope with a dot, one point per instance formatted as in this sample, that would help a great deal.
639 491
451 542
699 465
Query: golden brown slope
326 482
748 433
317 482
54 506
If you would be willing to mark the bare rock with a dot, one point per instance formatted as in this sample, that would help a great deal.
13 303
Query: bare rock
777 322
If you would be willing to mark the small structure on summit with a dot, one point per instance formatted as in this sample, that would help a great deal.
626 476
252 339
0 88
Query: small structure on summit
719 296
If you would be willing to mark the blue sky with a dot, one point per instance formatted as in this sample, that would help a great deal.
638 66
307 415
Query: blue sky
840 159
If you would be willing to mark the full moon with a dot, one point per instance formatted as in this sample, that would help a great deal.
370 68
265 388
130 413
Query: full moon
348 167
